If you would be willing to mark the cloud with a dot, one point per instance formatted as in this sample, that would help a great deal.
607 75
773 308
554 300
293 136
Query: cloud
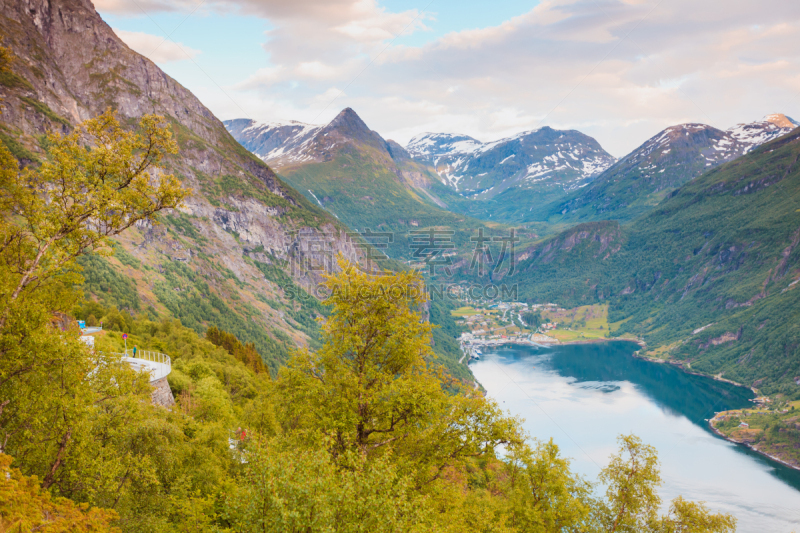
155 48
139 7
619 70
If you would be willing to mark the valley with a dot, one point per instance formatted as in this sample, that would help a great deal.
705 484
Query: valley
655 292
691 229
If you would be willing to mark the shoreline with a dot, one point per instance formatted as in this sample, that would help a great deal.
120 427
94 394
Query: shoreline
694 373
636 354
525 342
751 447
498 342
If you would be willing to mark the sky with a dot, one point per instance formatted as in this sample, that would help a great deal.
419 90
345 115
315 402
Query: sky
618 70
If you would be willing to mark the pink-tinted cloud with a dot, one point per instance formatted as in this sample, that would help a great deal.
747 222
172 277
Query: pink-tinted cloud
617 69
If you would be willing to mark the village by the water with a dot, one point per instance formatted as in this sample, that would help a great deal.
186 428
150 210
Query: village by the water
490 323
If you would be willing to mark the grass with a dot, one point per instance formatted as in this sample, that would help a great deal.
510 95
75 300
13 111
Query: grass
14 81
584 322
464 311
17 149
43 108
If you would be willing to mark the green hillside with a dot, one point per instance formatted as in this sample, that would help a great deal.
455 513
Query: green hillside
721 254
242 248
371 184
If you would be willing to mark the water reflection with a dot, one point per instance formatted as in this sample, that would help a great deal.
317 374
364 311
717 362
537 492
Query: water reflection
695 397
585 395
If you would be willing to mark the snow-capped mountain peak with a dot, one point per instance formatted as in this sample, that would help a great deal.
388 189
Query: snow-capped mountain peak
543 157
782 121
275 142
757 133
281 144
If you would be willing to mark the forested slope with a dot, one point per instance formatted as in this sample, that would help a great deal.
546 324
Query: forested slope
721 252
236 247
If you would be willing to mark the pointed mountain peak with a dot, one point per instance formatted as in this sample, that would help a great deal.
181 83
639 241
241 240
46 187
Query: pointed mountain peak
348 124
781 120
347 119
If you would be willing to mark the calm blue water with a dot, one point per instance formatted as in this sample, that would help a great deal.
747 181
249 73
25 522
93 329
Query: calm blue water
583 396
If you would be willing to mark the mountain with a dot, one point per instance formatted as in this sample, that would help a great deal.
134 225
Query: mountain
708 278
276 144
545 160
676 155
294 143
367 182
235 253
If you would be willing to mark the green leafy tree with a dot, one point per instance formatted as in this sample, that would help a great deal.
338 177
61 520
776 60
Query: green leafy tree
24 506
79 198
543 493
631 503
632 478
370 387
694 517
245 353
532 319
289 487
59 403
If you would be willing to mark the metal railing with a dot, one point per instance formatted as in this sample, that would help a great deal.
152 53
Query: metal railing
147 355
147 358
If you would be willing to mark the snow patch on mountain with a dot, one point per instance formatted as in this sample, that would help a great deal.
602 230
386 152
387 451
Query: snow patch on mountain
522 160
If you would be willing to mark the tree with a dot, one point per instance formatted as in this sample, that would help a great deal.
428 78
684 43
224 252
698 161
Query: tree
534 320
371 388
245 353
25 507
79 198
631 502
632 477
5 59
56 397
543 494
694 517
288 487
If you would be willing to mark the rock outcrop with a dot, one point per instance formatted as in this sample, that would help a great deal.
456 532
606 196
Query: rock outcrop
240 227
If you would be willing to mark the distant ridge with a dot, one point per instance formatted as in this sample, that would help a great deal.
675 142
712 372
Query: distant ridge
355 174
540 159
666 161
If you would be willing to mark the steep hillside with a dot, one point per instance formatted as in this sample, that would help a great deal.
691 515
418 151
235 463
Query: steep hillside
666 161
360 178
709 278
232 256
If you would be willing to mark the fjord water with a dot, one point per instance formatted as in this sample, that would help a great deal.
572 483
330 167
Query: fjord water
584 396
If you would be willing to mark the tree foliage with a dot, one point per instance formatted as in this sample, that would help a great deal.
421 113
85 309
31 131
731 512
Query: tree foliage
25 507
371 389
245 353
365 433
533 319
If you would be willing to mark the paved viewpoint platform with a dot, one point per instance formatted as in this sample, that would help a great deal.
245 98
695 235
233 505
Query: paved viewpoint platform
158 365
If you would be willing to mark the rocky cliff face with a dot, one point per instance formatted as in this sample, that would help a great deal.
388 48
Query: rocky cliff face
241 228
